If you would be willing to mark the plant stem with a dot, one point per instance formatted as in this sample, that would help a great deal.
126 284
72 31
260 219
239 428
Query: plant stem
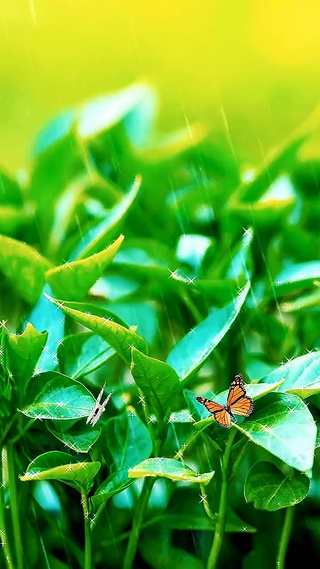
137 523
87 531
192 307
240 456
285 537
3 531
14 506
8 427
222 513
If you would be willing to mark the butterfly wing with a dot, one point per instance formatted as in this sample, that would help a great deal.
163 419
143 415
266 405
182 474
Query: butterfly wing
223 418
238 402
220 413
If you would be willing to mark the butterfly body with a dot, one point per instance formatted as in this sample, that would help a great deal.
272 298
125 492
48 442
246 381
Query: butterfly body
238 403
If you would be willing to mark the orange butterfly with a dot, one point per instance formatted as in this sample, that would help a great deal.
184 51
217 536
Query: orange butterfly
238 403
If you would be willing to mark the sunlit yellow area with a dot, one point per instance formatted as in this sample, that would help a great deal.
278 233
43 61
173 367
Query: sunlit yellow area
248 70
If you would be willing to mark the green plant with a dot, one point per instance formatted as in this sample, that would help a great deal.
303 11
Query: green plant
146 263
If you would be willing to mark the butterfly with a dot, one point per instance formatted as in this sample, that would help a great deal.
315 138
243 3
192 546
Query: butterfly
238 403
98 408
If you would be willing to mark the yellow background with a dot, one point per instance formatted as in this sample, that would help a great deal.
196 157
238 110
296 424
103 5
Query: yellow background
249 69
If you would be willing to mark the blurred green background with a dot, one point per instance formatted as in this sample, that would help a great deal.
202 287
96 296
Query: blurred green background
248 69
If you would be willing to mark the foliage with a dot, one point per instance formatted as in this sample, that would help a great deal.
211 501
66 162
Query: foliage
155 264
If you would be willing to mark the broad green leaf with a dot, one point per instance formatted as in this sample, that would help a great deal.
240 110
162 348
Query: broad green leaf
24 267
167 555
145 259
191 250
240 268
192 350
73 280
76 436
53 131
10 192
269 489
280 160
269 325
134 108
115 287
58 397
95 309
22 353
46 316
128 441
100 236
283 425
63 467
301 376
302 303
169 468
263 213
143 315
216 292
11 219
73 207
121 339
297 276
168 148
188 520
158 382
257 366
186 512
52 169
80 354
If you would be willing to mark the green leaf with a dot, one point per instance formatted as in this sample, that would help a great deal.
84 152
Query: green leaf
115 287
10 192
192 350
63 467
303 303
158 382
128 441
167 556
121 339
143 315
73 280
12 219
22 353
45 316
52 169
283 425
216 292
280 160
145 259
24 267
169 468
55 396
191 250
239 268
301 376
80 354
269 489
134 108
263 213
100 235
55 130
76 436
186 512
297 276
